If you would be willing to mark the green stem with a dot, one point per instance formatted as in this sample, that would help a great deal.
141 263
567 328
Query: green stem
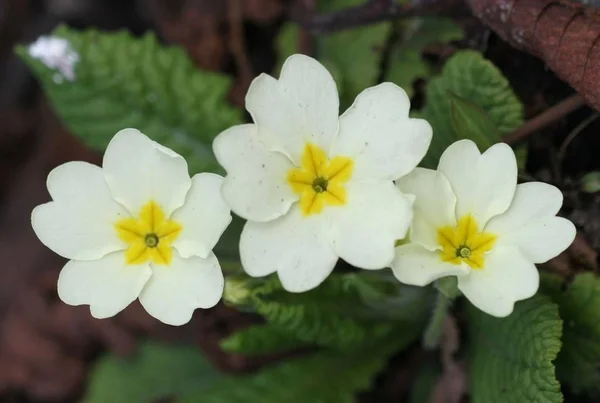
433 332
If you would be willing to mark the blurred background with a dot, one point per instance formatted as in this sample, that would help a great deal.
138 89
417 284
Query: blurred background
48 349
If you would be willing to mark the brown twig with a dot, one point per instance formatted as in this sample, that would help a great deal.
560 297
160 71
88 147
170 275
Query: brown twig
565 34
545 118
370 12
451 387
574 133
306 40
236 42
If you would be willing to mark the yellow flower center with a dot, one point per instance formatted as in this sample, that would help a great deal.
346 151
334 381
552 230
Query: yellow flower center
464 243
320 181
150 236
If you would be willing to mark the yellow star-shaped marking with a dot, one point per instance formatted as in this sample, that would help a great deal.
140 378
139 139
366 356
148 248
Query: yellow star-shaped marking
150 236
464 243
320 181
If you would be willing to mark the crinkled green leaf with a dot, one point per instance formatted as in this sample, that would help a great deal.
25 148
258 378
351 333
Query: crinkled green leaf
356 53
261 340
406 67
510 358
156 371
469 121
343 312
578 363
325 377
471 77
406 64
354 67
122 81
287 45
346 311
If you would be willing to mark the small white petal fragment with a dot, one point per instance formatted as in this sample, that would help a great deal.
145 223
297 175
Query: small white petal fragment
77 224
378 134
434 205
365 230
415 265
530 223
205 214
56 54
138 169
302 106
108 285
256 185
508 277
294 246
174 292
484 184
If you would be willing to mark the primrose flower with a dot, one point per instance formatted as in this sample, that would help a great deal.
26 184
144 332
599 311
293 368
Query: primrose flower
137 227
315 186
472 220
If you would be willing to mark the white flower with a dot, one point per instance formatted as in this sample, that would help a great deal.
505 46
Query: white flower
56 54
137 227
472 220
315 186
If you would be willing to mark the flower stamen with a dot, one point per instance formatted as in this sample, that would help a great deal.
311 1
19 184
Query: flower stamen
319 185
464 252
151 240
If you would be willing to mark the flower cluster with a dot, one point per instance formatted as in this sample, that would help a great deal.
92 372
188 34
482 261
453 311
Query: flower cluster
313 187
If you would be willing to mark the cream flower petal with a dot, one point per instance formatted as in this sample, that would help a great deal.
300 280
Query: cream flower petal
531 225
175 291
204 217
108 285
138 169
378 134
415 265
302 106
294 246
79 223
507 277
256 185
434 205
364 230
484 184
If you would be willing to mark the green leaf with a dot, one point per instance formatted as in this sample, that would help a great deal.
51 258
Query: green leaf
521 154
578 362
406 67
355 55
320 378
343 312
261 340
425 381
354 67
511 358
157 371
122 81
286 43
590 183
473 78
471 122
406 64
